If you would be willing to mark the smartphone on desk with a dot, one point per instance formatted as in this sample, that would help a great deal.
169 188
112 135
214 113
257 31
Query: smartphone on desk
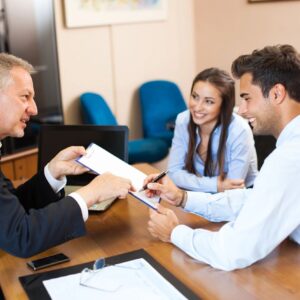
48 261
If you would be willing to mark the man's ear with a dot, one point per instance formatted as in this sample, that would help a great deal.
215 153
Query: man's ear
277 93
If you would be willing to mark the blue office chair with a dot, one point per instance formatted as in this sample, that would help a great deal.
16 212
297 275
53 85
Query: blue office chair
96 111
161 102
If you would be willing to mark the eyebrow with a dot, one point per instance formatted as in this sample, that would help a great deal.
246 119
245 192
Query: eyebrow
242 95
210 98
26 90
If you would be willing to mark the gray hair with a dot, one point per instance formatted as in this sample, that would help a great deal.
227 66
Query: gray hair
7 63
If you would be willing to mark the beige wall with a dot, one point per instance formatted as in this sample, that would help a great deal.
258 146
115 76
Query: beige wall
227 29
116 60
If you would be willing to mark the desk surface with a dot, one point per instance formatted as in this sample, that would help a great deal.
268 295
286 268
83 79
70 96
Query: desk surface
123 228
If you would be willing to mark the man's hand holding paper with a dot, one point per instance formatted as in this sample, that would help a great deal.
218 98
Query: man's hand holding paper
100 161
104 187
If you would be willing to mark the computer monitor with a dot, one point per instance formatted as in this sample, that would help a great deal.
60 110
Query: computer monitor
53 138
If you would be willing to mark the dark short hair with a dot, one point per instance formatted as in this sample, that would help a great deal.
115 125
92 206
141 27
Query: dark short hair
269 66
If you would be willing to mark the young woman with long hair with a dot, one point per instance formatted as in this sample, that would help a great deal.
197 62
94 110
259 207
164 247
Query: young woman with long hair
213 148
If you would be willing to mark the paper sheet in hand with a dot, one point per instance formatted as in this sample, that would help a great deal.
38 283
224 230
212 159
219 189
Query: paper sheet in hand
135 279
100 161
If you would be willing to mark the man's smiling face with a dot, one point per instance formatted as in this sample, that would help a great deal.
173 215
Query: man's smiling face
256 108
17 103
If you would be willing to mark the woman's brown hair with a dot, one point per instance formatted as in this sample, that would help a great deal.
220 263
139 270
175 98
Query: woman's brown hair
223 82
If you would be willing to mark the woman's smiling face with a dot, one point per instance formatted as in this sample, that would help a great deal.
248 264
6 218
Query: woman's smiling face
205 104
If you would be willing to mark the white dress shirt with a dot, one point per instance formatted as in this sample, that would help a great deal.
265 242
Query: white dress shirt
259 218
57 185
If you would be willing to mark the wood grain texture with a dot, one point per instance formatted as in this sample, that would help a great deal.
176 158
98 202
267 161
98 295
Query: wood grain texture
123 228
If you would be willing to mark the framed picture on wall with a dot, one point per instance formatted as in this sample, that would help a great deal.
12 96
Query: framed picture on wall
83 13
266 0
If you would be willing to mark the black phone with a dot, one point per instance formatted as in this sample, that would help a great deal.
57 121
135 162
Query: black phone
48 261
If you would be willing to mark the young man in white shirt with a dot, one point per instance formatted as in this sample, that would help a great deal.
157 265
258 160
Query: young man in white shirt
262 217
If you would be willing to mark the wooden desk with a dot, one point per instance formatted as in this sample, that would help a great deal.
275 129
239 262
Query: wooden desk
123 228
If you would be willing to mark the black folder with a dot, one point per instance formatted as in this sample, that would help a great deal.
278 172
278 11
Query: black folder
33 284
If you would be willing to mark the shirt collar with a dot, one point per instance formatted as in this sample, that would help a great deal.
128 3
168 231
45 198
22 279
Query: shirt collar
216 131
289 131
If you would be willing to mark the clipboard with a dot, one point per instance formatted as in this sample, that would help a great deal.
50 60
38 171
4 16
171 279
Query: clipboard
98 160
35 290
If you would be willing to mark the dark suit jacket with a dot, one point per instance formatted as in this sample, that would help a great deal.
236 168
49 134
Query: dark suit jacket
34 218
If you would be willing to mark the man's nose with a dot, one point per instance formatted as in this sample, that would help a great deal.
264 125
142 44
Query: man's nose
32 108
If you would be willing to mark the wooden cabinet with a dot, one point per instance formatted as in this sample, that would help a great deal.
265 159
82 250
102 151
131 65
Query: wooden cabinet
8 169
20 166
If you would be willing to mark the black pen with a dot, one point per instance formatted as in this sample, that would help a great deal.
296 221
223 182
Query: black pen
155 179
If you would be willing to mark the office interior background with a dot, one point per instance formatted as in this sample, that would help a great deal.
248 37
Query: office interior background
115 60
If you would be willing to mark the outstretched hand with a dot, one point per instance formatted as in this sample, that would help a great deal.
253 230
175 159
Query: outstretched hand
64 162
105 186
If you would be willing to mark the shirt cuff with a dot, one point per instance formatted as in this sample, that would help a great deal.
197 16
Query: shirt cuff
180 234
56 185
197 201
82 205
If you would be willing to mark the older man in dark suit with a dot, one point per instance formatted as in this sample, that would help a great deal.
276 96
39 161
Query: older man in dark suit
36 216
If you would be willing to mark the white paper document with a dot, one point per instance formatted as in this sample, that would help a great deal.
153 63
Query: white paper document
135 279
100 161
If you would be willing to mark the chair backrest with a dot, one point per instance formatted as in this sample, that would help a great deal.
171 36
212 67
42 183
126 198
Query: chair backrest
161 101
264 145
95 110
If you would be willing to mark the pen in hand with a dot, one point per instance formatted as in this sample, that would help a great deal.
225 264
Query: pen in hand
155 179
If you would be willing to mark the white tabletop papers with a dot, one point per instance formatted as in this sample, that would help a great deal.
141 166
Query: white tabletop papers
135 279
100 161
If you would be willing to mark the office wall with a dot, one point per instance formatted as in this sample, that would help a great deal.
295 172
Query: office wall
227 29
116 60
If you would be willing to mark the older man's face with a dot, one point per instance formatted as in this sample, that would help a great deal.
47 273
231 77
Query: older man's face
17 104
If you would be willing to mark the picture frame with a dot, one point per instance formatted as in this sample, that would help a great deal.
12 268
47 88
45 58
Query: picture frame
85 13
256 1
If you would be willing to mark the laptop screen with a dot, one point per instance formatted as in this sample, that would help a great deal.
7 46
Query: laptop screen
54 138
